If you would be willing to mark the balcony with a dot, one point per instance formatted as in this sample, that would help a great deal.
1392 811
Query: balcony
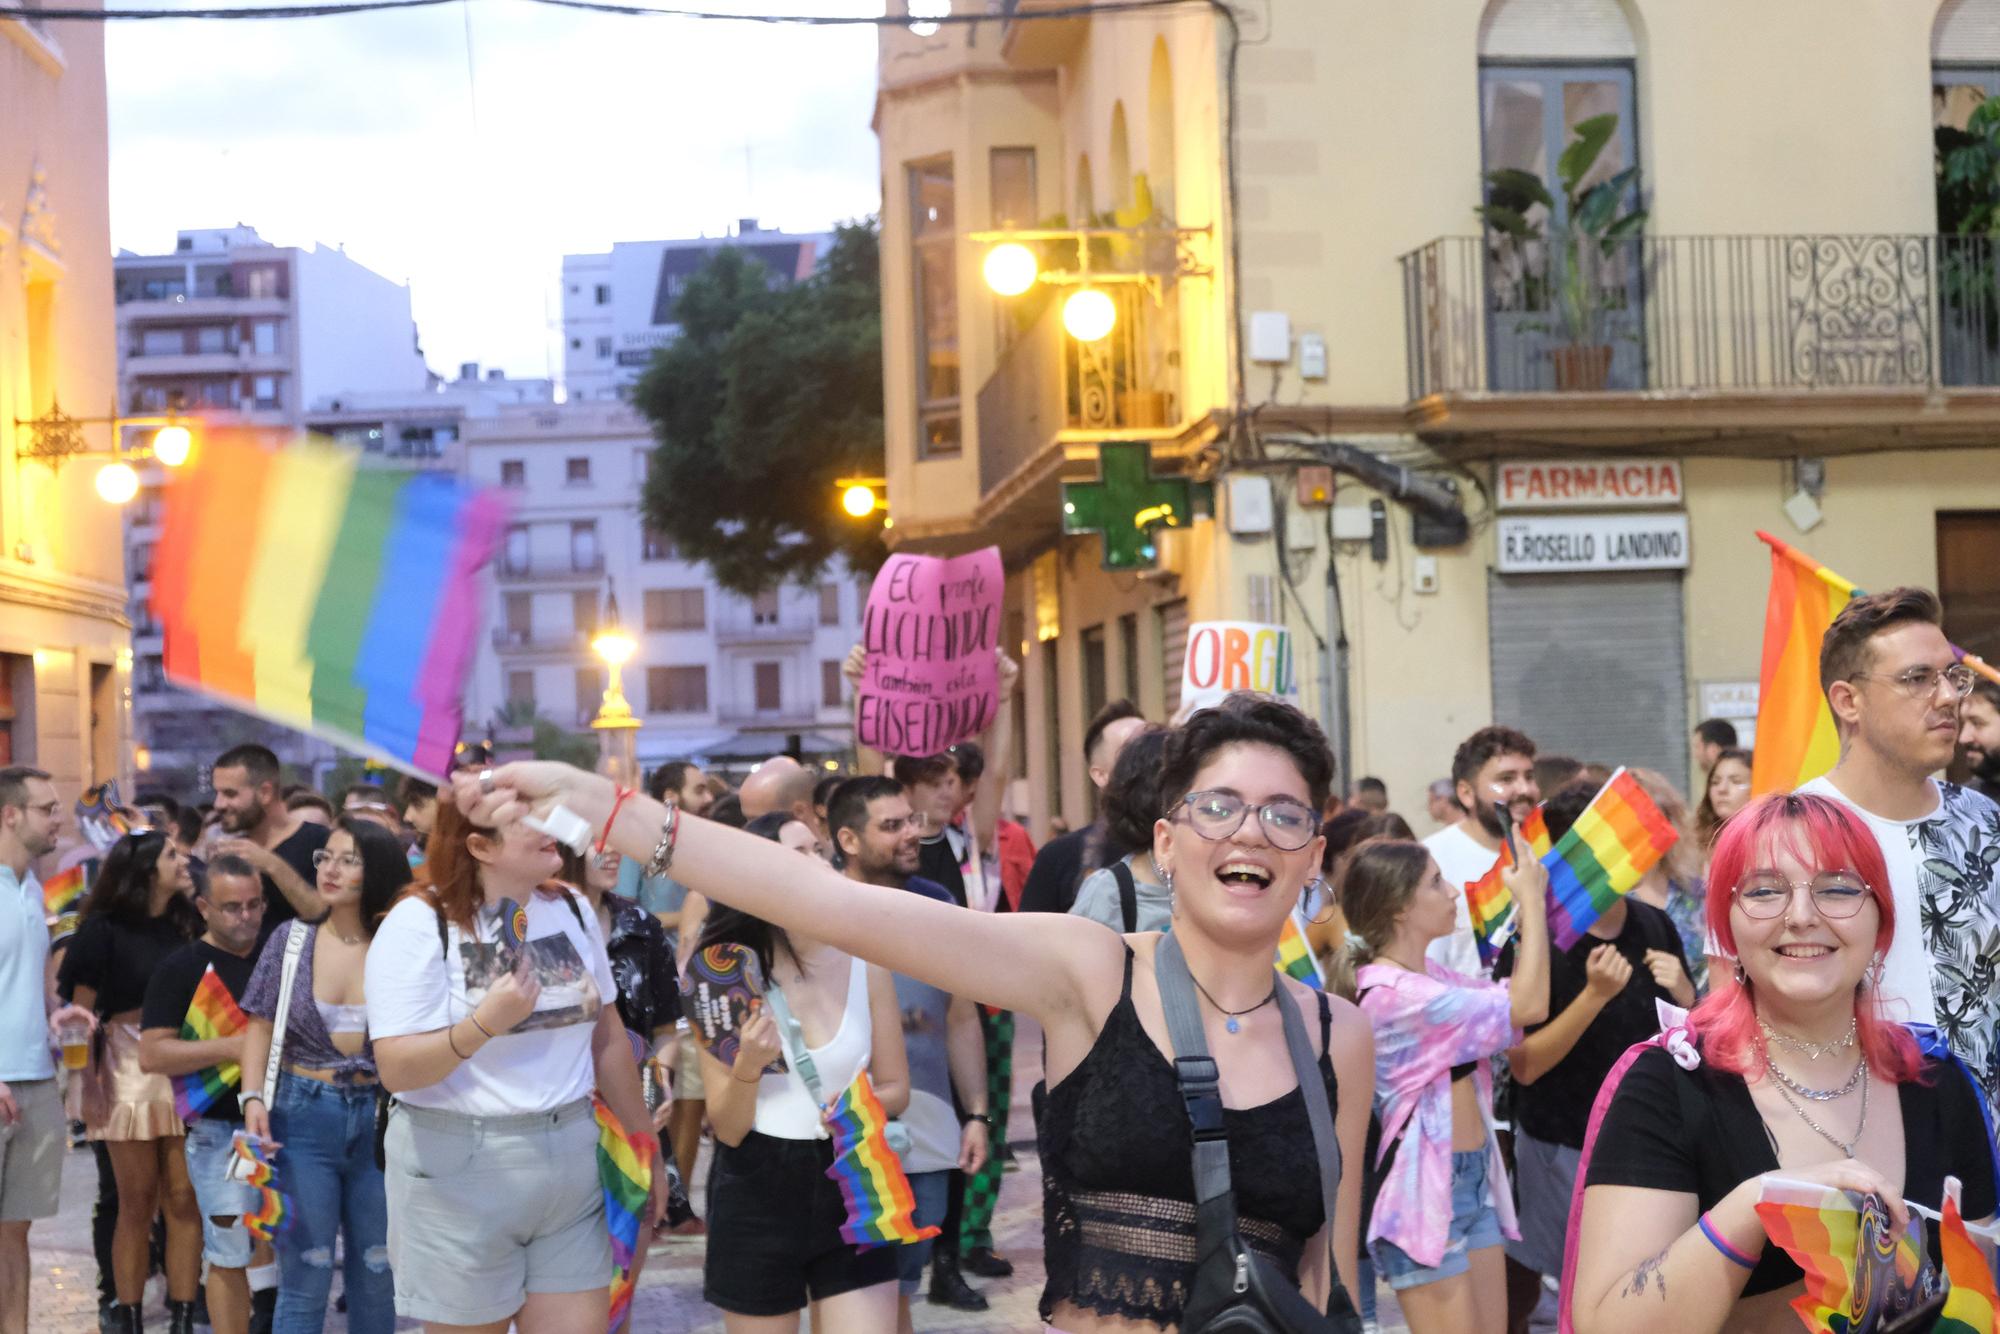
1760 340
144 303
1025 40
540 643
575 570
774 633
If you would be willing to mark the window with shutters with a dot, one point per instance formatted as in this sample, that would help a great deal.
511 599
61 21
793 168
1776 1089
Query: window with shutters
766 677
576 471
655 546
677 690
1968 552
1094 682
521 617
513 472
830 687
829 604
676 609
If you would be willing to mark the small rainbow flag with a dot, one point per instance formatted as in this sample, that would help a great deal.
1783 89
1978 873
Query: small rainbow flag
1618 838
1488 900
1972 1306
1832 1234
1295 956
100 818
333 599
273 1212
213 1013
880 1207
625 1170
63 892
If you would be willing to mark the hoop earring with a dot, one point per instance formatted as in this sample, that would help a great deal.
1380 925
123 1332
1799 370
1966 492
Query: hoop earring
1318 886
1742 980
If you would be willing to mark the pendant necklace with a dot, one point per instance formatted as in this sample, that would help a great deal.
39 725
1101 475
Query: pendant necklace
1233 1015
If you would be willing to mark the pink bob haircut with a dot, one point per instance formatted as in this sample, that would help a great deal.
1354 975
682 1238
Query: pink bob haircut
1827 836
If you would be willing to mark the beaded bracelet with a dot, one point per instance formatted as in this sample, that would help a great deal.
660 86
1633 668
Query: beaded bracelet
1728 1252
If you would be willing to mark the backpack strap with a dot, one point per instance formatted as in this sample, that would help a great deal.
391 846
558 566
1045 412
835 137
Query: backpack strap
1128 895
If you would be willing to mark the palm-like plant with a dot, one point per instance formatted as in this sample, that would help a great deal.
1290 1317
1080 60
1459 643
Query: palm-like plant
1585 231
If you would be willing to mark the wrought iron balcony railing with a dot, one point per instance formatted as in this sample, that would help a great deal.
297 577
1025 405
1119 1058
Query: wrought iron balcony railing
1702 313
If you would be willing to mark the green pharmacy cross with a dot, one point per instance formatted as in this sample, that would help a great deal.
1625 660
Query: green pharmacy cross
1127 504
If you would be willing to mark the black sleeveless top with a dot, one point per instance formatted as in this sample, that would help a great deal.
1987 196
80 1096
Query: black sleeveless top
1118 1232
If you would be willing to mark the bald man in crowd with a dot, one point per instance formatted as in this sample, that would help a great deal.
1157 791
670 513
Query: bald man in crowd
781 783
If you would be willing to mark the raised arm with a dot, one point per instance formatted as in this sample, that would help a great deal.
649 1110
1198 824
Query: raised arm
997 742
1039 964
867 760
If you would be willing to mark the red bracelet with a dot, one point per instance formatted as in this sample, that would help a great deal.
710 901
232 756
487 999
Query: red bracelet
616 806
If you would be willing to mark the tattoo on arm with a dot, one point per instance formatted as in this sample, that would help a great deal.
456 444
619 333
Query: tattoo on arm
1651 1272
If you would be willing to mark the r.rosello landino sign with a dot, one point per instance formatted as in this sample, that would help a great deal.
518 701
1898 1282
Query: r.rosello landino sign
1550 544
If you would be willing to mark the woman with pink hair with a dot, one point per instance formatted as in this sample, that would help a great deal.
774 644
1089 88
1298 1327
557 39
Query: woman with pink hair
1790 1068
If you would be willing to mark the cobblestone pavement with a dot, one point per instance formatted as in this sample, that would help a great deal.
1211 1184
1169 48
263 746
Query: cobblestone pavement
64 1292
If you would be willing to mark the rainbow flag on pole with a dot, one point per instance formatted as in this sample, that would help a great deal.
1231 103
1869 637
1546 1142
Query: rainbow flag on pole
330 598
62 894
880 1206
625 1170
1618 838
1295 956
213 1013
1796 741
1489 902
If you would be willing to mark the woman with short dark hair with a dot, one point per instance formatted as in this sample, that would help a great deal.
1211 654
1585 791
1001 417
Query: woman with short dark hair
1132 805
324 1117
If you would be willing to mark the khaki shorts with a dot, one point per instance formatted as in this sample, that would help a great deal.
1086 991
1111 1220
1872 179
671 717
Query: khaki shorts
485 1210
31 1153
688 1085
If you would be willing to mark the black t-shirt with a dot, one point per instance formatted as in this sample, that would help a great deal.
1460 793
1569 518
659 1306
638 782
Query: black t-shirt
1556 1108
1058 870
171 991
116 959
937 863
297 853
1698 1132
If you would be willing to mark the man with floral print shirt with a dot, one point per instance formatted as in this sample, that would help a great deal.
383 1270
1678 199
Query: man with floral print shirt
1895 687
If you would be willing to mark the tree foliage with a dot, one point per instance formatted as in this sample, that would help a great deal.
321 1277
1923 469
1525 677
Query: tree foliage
769 395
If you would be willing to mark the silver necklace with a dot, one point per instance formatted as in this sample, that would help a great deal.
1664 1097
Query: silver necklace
1811 1050
1816 1095
1847 1147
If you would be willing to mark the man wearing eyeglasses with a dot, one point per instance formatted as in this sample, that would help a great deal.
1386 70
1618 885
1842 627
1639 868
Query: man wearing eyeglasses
1895 688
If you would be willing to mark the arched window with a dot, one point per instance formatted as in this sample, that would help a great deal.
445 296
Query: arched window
1965 77
1121 159
1160 161
1086 194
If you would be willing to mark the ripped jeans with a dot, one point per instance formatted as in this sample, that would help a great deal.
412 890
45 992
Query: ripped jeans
326 1163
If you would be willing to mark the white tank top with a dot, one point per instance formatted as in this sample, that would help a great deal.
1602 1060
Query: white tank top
785 1110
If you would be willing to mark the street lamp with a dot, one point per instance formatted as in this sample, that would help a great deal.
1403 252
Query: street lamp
1011 268
117 482
862 496
1164 255
55 437
1089 314
614 723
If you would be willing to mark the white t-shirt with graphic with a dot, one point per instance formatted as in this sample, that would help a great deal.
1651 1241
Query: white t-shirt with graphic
416 986
1943 965
1463 860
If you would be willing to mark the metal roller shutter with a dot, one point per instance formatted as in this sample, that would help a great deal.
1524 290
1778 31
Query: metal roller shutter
1593 665
1966 32
1173 622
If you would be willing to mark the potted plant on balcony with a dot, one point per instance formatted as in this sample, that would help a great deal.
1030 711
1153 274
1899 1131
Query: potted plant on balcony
1571 270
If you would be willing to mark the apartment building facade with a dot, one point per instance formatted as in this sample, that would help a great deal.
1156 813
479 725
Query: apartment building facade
65 657
717 676
1796 340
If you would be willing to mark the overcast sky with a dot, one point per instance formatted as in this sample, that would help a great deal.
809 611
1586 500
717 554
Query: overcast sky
569 132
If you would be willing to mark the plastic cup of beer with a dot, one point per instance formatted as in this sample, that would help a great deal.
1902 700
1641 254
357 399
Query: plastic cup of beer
75 1037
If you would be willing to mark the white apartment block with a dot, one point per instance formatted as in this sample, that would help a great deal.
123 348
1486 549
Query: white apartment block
718 677
618 305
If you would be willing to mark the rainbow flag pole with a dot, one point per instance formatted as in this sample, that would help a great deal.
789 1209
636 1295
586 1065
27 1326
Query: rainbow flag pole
880 1207
1796 741
213 1013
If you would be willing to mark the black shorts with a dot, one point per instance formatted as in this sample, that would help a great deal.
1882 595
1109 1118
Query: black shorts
774 1220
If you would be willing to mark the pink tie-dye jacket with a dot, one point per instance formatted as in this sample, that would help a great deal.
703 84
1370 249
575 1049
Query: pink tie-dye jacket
1425 1023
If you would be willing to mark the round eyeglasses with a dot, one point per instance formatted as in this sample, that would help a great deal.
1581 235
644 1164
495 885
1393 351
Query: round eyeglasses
1835 894
346 861
1922 682
1288 823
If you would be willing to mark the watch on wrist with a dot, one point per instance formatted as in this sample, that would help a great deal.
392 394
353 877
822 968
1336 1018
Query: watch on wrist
981 1117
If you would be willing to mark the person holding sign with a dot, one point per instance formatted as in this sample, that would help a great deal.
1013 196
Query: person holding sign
1791 1068
1246 781
137 915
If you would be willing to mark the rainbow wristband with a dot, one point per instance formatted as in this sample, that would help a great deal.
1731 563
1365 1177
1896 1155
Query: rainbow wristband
1729 1252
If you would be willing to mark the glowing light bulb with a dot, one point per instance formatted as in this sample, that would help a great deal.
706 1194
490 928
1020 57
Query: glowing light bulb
117 482
1010 268
858 500
171 445
1089 315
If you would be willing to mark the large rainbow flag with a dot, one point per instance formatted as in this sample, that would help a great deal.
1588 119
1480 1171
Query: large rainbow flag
625 1171
1618 838
1972 1305
880 1206
1796 742
330 598
1857 1268
1488 901
213 1013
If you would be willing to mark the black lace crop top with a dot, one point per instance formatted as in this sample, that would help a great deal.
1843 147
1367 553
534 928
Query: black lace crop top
1118 1202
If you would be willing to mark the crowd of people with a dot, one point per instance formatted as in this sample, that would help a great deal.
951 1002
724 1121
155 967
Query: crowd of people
438 997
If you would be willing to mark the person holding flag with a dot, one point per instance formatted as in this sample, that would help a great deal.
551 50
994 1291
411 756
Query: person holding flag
1444 1204
1493 767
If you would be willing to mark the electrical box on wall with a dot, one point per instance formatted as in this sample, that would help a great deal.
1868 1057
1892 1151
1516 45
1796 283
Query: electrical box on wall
1270 337
1312 356
1424 574
1250 504
1315 486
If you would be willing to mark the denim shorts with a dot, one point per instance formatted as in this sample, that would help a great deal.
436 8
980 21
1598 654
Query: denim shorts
484 1210
932 1191
1474 1227
211 1144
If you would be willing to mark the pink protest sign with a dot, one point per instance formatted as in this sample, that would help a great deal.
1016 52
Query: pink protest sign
931 629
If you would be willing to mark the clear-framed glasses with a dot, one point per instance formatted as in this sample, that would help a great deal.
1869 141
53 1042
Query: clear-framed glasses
346 861
1288 823
1922 682
1835 894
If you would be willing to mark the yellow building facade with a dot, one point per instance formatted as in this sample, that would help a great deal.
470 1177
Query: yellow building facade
65 656
1801 337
